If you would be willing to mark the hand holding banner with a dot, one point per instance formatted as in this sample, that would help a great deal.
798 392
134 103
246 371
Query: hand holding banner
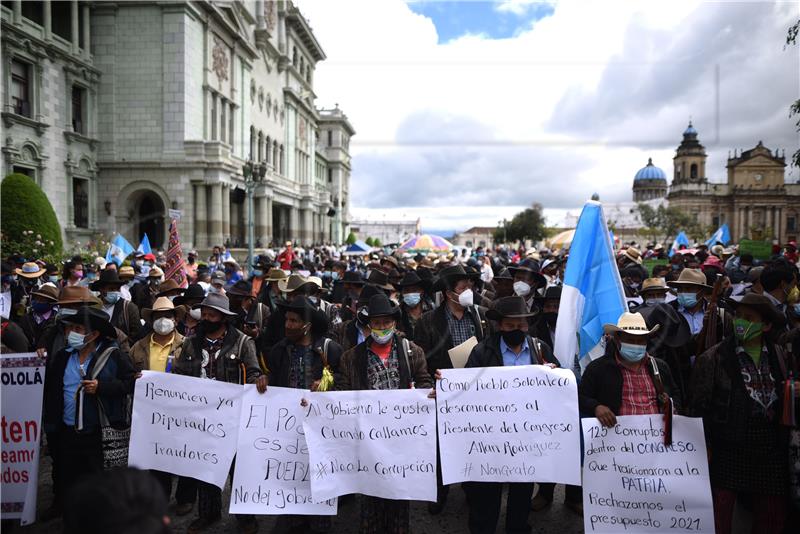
379 443
184 425
509 424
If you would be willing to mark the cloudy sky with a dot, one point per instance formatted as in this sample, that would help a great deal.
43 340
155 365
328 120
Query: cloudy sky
467 111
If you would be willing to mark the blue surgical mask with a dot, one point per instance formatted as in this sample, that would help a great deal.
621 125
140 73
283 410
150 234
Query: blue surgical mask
53 279
112 297
258 272
76 340
334 275
412 299
65 312
687 300
631 352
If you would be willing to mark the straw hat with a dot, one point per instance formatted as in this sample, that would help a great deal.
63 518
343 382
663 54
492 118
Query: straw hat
161 304
291 283
654 284
276 275
127 272
692 278
633 254
30 269
631 323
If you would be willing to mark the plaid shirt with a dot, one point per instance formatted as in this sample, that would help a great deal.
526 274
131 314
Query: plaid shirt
460 329
639 395
300 370
380 375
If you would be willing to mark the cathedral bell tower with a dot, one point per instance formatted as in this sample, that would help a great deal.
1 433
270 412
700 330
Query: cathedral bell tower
690 159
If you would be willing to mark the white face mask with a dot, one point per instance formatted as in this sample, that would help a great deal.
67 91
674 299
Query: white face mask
522 289
195 314
164 326
656 300
465 298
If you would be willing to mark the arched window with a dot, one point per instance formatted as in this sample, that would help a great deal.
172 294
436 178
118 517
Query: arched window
260 146
267 156
275 157
693 171
252 141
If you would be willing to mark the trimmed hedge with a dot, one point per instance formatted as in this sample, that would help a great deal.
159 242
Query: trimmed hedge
24 208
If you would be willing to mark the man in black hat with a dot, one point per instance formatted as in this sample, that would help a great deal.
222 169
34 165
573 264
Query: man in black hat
455 321
219 351
354 331
87 374
41 315
122 313
251 315
384 361
511 345
738 388
503 284
412 305
351 285
527 281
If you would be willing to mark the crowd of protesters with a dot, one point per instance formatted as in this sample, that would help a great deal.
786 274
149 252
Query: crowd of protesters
710 333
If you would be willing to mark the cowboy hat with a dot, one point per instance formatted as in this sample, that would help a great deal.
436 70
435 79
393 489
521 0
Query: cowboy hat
276 275
449 275
412 279
511 307
302 306
193 292
75 295
168 286
380 306
353 278
242 288
551 293
218 302
633 254
47 291
654 284
30 269
761 304
161 304
379 278
293 282
155 272
367 293
531 267
107 278
127 272
95 320
631 323
691 278
503 274
392 260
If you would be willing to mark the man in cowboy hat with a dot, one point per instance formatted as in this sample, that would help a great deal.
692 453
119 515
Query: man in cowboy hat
351 285
90 374
738 388
527 281
626 380
412 305
143 294
690 301
509 346
127 275
156 352
544 327
28 279
41 314
455 321
269 293
218 351
123 314
251 315
502 284
354 331
654 291
385 361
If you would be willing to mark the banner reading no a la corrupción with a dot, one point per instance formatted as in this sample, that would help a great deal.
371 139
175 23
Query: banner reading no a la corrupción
22 391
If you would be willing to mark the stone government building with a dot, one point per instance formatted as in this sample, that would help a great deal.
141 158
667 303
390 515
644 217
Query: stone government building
122 111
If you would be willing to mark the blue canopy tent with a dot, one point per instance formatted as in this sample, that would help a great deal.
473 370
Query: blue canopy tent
358 248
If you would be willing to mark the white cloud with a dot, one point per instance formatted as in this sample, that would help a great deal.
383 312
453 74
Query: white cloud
572 106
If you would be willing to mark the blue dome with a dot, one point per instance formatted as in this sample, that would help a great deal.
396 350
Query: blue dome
690 130
650 172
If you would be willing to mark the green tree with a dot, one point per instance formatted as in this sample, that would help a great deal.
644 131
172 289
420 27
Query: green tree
376 242
29 225
369 241
528 224
794 109
351 238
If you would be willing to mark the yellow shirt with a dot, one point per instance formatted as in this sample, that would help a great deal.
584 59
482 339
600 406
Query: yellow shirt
159 353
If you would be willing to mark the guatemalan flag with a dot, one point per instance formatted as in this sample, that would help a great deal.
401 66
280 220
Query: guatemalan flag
680 239
118 250
592 294
722 235
144 245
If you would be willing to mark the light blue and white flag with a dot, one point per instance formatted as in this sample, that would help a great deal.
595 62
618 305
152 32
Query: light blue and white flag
680 239
144 246
118 250
722 235
592 294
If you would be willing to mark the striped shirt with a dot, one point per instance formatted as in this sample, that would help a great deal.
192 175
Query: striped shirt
639 395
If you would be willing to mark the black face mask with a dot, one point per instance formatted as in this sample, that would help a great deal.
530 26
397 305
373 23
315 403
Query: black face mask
514 338
209 327
550 319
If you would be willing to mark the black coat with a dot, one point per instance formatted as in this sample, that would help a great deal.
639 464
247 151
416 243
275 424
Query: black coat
33 331
487 352
278 361
601 383
432 334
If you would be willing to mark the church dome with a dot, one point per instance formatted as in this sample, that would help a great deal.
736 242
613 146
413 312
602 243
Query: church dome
650 172
690 130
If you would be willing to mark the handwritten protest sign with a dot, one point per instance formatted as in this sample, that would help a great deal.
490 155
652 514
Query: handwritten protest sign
633 482
22 391
272 467
509 424
186 426
379 443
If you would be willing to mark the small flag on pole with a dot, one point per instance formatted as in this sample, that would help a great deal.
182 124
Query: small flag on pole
592 294
144 245
680 239
118 250
722 235
175 267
